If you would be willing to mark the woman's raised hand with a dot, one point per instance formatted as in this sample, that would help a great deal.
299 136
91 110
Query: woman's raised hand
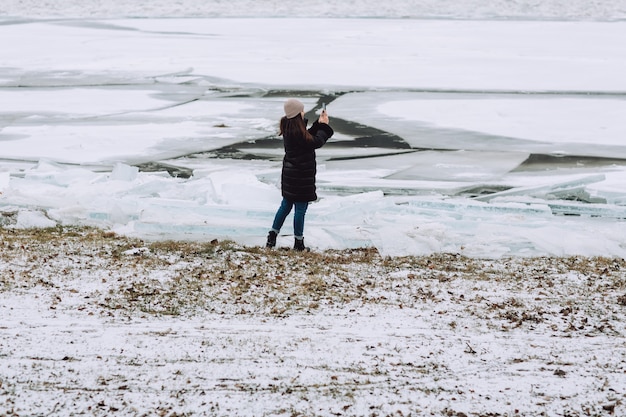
323 117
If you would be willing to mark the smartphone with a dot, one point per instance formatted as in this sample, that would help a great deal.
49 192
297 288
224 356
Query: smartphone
323 106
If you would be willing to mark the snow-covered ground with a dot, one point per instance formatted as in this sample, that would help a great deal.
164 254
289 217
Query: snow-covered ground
485 128
98 325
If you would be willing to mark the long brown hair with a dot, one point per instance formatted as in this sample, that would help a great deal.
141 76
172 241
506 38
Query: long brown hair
294 127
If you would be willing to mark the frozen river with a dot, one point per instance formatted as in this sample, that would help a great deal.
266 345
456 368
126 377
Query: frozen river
483 137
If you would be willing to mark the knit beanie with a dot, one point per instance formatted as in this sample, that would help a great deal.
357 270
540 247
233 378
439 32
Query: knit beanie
293 108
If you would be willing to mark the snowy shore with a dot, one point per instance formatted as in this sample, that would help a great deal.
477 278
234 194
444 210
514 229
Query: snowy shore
97 324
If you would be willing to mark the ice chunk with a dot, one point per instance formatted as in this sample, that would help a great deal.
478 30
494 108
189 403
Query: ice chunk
5 178
460 165
243 189
606 211
123 172
51 172
27 219
78 101
379 173
71 214
462 208
567 187
324 235
612 189
118 139
233 231
392 241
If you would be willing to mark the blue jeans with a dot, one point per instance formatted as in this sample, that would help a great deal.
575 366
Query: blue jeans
298 216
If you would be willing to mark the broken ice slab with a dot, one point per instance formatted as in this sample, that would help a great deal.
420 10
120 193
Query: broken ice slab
348 183
554 190
460 165
180 231
589 210
27 219
613 189
159 219
417 173
54 173
112 217
323 235
123 172
378 167
24 218
188 213
463 208
5 177
347 209
18 77
134 140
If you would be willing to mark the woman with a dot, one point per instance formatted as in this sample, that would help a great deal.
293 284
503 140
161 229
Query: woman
299 168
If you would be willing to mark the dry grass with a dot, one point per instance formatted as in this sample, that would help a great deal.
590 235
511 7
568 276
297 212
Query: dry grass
175 278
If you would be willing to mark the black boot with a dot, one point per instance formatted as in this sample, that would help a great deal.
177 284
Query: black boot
271 239
298 244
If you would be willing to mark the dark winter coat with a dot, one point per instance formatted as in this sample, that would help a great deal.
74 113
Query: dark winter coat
299 166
